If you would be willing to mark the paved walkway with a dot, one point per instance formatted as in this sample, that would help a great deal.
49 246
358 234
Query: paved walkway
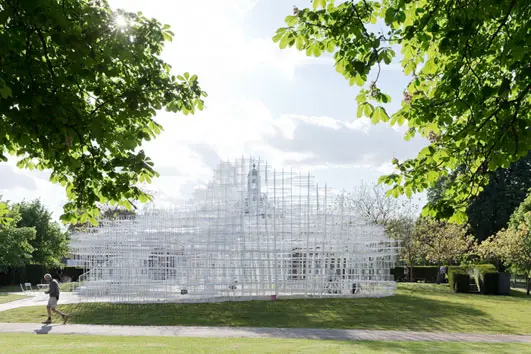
247 332
38 299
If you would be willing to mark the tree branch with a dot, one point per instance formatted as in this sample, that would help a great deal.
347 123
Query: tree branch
45 47
502 23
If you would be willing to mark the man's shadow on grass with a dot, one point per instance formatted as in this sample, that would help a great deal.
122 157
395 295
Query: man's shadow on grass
44 329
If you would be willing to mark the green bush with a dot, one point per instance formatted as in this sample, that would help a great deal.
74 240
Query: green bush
398 273
426 273
33 273
461 282
452 272
490 283
474 271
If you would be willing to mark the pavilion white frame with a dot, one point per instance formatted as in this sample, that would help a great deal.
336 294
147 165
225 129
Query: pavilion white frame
252 233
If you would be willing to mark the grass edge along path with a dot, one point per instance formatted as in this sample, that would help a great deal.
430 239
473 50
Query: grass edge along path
253 332
5 297
23 343
415 307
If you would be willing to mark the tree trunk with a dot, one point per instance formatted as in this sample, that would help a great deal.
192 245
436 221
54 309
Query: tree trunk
527 283
439 275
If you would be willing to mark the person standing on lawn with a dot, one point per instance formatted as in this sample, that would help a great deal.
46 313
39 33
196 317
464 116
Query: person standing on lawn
53 291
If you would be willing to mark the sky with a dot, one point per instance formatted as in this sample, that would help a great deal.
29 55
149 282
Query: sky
291 110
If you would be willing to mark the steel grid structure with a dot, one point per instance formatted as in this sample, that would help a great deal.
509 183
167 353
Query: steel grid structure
252 233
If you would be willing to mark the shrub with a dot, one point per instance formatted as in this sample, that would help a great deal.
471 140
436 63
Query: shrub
33 273
504 283
452 272
398 273
460 282
489 283
426 273
474 272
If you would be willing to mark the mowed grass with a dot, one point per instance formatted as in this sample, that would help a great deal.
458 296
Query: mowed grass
416 307
31 343
4 297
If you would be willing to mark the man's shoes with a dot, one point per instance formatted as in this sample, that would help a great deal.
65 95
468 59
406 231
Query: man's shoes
48 321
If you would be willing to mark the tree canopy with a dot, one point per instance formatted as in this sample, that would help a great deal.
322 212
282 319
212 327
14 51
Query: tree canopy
513 245
443 243
79 88
469 92
403 229
491 209
50 243
15 242
522 215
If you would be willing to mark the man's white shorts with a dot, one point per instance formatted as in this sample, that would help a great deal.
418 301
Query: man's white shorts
52 302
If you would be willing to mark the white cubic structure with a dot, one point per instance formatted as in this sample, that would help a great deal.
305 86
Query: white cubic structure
252 233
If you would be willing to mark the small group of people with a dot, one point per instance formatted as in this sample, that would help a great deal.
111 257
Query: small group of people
54 292
442 271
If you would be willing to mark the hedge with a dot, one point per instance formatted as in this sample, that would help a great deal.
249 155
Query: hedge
397 273
454 272
460 282
427 273
33 273
490 283
474 272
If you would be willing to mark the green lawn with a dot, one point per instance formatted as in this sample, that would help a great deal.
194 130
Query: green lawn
4 297
31 343
419 307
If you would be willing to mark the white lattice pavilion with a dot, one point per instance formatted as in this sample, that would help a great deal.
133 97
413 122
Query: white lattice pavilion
252 233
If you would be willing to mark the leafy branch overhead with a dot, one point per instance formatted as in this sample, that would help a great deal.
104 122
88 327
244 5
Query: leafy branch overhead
470 87
79 88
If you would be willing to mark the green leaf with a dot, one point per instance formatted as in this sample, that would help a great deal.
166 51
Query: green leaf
340 68
299 43
379 115
385 98
319 3
284 41
430 67
360 110
409 67
368 110
291 20
361 97
279 34
359 80
330 46
316 50
458 217
408 192
5 92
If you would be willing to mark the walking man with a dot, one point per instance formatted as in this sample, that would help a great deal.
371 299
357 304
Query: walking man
53 291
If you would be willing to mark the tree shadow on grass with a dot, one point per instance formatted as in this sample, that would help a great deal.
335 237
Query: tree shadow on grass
399 312
446 347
